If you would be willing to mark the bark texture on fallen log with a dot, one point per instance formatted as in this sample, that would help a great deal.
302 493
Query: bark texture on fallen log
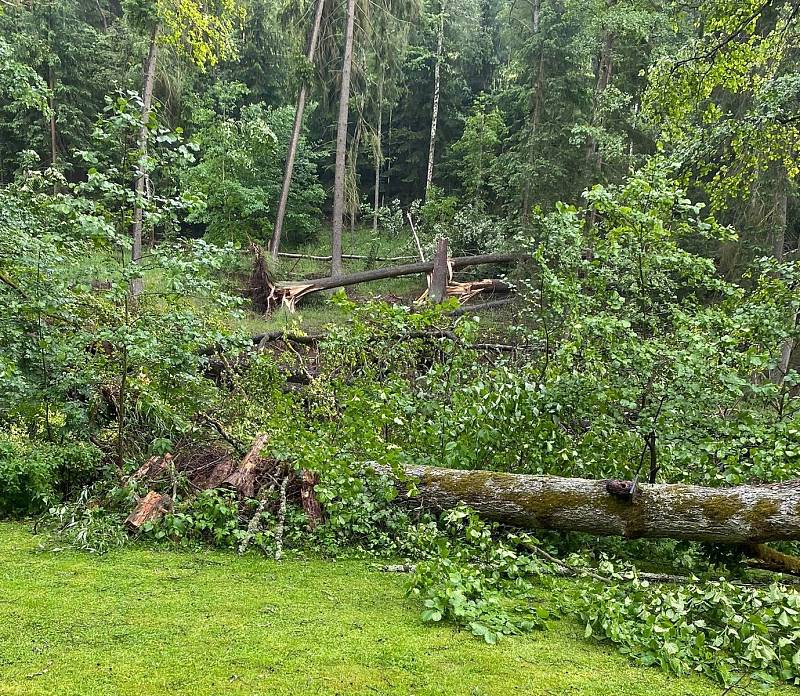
345 257
456 263
767 558
741 514
494 304
308 497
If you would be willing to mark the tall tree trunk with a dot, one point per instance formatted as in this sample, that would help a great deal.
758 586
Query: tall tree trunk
536 14
275 242
535 118
437 70
51 83
387 191
341 145
605 64
141 175
778 224
378 155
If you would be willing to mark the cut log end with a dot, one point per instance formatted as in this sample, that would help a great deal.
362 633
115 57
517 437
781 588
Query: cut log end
149 509
244 479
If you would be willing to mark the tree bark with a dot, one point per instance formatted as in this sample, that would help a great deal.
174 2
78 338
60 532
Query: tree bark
277 231
378 156
605 64
243 480
51 83
537 108
457 263
341 145
349 257
737 515
778 224
440 275
308 498
435 110
141 174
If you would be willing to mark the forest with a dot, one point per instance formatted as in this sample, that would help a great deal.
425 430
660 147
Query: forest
399 346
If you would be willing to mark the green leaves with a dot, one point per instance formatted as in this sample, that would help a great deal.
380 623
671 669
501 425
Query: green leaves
477 579
716 628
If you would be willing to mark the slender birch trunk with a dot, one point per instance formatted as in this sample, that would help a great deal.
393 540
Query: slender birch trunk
141 175
277 231
536 15
605 64
435 111
378 155
51 83
341 145
778 241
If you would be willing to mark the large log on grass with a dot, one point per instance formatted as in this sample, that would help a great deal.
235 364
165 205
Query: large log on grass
739 515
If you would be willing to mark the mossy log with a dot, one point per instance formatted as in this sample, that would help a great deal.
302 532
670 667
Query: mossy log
737 515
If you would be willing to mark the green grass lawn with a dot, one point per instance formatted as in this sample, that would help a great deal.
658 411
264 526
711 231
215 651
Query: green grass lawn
145 621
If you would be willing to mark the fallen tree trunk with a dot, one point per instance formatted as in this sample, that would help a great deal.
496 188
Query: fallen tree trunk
737 515
289 294
345 257
457 263
482 307
262 340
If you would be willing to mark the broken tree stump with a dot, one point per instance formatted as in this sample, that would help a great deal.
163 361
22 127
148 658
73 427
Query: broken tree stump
149 509
243 480
151 468
311 506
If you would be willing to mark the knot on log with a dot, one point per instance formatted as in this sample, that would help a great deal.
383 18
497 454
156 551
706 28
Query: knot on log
621 489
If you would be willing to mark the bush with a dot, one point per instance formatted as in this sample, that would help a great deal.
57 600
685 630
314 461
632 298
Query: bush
31 473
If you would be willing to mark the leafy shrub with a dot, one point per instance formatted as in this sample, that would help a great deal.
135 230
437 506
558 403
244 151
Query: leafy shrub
31 473
240 175
212 517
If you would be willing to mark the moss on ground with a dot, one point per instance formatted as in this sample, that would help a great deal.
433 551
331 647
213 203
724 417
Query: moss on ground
148 621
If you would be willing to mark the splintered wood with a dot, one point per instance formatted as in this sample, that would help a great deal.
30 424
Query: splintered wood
243 479
149 509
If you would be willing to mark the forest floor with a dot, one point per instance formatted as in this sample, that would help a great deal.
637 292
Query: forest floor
149 621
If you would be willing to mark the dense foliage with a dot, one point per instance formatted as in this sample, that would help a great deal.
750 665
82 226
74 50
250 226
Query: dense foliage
641 158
